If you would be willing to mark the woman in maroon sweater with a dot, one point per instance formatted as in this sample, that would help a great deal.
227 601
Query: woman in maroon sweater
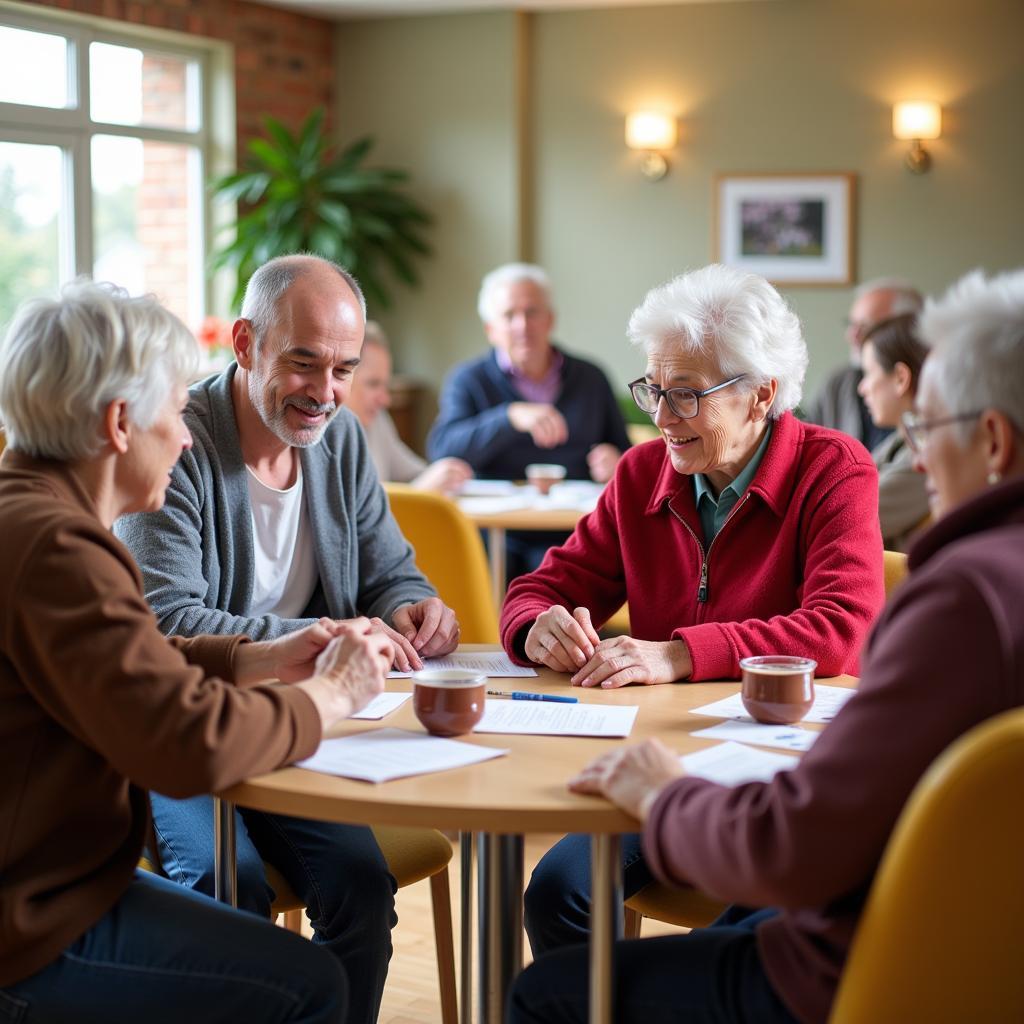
741 531
97 706
796 855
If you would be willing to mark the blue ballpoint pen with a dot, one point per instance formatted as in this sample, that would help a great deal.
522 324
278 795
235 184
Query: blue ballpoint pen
523 695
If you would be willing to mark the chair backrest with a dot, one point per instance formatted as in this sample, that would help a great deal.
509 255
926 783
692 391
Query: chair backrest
895 565
941 936
450 553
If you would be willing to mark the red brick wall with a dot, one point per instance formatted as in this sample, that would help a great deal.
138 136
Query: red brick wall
283 60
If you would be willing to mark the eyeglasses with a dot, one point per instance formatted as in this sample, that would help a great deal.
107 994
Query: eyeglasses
684 402
915 429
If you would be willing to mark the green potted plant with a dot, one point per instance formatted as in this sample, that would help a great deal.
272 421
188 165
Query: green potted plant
297 195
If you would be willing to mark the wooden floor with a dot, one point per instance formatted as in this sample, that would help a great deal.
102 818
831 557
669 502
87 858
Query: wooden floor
411 993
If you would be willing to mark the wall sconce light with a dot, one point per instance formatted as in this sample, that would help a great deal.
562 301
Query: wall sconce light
916 121
651 133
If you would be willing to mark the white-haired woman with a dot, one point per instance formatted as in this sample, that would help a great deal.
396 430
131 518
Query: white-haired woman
945 655
741 531
96 706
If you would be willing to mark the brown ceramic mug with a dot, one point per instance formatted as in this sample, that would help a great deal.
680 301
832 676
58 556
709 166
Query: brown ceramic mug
777 689
448 702
544 475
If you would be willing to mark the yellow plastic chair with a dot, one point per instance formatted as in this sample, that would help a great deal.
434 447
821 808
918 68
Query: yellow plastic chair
943 928
690 908
412 854
450 553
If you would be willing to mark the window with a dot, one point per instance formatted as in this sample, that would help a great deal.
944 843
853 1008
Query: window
104 148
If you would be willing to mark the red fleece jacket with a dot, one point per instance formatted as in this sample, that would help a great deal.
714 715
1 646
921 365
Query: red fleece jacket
795 569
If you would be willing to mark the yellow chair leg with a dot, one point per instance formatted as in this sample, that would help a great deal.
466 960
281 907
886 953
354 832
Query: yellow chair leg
440 898
631 923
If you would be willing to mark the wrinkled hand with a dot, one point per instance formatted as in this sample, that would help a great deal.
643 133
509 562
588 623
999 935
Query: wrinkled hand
562 641
544 423
429 625
631 777
293 656
601 461
356 662
445 476
404 656
624 660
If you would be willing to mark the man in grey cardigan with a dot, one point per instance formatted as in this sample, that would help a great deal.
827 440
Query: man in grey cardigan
275 518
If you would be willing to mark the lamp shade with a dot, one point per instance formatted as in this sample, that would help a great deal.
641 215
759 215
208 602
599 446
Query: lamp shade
650 130
917 120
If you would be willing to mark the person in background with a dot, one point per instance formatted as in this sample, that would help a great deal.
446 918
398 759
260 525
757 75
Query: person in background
527 401
370 399
741 531
796 855
97 706
276 517
838 403
891 358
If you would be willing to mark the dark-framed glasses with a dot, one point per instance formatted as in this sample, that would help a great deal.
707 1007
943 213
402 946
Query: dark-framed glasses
684 402
915 429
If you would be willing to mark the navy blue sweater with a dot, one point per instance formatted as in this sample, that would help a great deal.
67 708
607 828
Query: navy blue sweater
473 420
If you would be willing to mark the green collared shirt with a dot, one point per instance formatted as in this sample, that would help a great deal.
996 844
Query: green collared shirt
714 513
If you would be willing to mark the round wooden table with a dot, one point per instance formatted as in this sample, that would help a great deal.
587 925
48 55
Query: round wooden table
499 800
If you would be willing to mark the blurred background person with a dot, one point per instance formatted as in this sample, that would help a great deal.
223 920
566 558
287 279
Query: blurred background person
97 706
527 400
891 358
370 399
838 403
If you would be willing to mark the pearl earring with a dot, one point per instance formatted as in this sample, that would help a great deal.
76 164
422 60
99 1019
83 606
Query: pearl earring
994 477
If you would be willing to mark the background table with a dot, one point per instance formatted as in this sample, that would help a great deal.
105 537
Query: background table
501 799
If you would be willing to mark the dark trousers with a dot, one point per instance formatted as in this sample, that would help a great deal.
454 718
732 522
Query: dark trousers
712 975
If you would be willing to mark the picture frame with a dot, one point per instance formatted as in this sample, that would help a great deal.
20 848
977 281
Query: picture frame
793 229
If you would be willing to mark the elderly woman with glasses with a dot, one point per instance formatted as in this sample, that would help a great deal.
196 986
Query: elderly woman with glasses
741 531
796 855
891 358
97 706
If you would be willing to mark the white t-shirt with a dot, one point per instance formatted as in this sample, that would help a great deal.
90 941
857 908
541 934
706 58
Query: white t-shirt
285 566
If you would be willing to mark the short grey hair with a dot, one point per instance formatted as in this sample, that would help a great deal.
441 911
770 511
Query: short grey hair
905 297
976 331
506 274
737 319
373 334
275 277
63 361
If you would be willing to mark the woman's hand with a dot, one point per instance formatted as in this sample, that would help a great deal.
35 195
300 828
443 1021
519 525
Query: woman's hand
445 476
562 641
624 660
631 777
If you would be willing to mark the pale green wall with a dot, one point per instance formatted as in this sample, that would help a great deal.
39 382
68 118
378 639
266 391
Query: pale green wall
785 85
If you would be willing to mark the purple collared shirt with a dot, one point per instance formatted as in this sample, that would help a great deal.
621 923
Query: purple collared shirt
545 390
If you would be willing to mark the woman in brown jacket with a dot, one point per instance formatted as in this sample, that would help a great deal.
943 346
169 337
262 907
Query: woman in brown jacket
97 706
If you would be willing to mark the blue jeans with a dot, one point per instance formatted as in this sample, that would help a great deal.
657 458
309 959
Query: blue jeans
712 975
164 955
337 871
557 900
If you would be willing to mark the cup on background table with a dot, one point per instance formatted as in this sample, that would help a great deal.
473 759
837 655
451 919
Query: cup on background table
777 689
448 702
544 475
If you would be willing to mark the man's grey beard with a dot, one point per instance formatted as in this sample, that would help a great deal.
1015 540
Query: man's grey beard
303 438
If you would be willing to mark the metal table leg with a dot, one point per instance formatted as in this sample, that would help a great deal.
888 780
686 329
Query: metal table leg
606 923
500 938
466 927
225 877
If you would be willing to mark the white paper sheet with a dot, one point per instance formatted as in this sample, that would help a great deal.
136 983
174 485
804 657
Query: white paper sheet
827 702
383 754
486 488
787 737
495 664
493 505
731 764
536 718
383 704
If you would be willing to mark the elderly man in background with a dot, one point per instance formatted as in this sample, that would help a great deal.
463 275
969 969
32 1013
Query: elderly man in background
370 399
838 403
273 519
527 401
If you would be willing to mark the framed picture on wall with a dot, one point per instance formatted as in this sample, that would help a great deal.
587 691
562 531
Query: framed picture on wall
794 229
